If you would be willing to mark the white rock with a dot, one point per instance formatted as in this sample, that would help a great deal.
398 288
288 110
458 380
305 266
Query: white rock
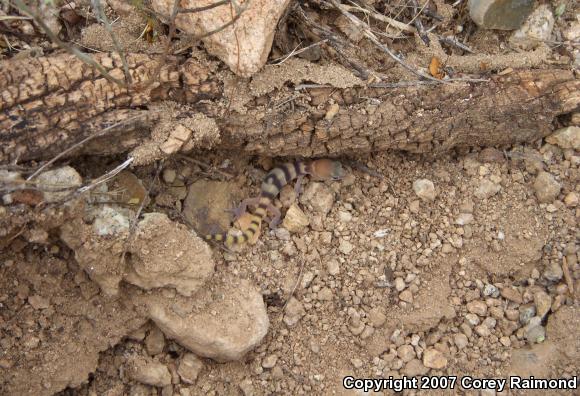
295 220
537 28
345 246
245 45
566 138
333 267
425 189
487 189
434 359
232 321
464 219
65 177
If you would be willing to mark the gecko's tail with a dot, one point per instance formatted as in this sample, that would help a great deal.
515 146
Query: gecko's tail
233 240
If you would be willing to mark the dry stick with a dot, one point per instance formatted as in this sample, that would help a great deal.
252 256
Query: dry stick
103 17
418 24
383 47
382 18
71 50
204 8
455 42
82 142
295 52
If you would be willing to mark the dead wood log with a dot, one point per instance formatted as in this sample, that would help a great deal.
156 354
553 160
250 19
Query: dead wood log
48 104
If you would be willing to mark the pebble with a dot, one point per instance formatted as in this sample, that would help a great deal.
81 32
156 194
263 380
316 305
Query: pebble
333 267
487 189
319 196
527 312
432 358
571 199
406 296
64 177
490 290
477 307
155 341
543 303
269 361
566 138
406 353
377 317
511 294
460 340
399 284
482 330
344 217
464 219
169 175
553 272
345 246
189 368
472 319
294 312
295 220
325 294
537 28
534 332
357 363
546 187
425 189
414 368
149 372
38 302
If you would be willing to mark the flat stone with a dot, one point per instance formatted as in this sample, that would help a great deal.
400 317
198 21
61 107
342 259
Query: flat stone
425 189
500 14
566 138
546 187
434 359
189 368
295 220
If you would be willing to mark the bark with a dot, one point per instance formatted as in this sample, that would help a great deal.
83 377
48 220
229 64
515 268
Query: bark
48 104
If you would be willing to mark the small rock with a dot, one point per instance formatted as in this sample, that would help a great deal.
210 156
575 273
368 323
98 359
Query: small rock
269 361
155 341
490 291
149 372
406 296
571 199
477 307
566 138
512 294
487 189
414 368
500 14
482 330
491 155
460 340
344 217
546 187
472 319
553 272
505 341
425 189
189 368
527 312
38 302
295 220
325 294
357 363
537 28
294 311
319 196
464 219
247 387
377 317
406 353
169 175
345 246
333 267
399 284
534 332
434 359
543 303
65 177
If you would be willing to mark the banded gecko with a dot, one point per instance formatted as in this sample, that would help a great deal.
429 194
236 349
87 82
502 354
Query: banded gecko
322 169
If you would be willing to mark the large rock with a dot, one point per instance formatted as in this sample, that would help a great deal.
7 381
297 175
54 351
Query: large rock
243 46
167 254
223 321
500 14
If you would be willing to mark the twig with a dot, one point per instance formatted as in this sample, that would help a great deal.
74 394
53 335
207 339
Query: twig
82 142
70 49
382 18
417 22
204 8
302 262
455 42
203 165
103 17
295 52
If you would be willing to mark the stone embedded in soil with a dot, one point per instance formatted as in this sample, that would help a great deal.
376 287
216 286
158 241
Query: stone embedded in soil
434 359
546 187
345 247
534 332
527 312
269 361
149 372
553 272
167 254
460 340
566 138
294 312
377 317
487 189
500 14
536 29
543 303
319 196
333 267
243 46
477 307
509 293
65 177
406 296
189 368
571 199
425 189
155 341
38 302
295 220
414 368
406 353
232 321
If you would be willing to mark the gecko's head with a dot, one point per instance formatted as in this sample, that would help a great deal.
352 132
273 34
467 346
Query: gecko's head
326 169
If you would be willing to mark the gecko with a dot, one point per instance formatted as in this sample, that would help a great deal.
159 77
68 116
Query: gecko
322 169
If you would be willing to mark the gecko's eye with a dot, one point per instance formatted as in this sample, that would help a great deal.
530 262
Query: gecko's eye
337 172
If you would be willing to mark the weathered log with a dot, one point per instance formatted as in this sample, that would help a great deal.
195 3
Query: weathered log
49 104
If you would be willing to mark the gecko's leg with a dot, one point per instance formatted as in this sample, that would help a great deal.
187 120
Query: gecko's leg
298 185
276 216
243 207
